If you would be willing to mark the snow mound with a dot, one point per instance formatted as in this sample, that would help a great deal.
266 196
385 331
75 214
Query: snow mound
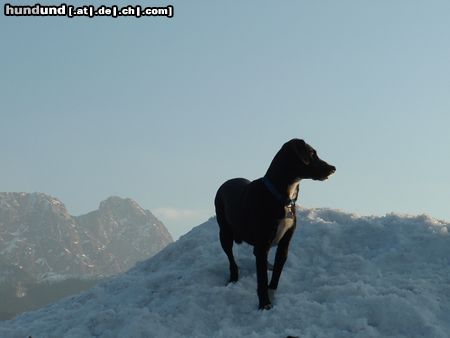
346 276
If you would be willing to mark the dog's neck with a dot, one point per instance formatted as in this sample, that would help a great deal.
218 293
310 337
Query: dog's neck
282 177
285 191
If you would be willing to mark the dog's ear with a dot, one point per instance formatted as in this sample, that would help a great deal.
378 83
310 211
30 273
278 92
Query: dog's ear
300 149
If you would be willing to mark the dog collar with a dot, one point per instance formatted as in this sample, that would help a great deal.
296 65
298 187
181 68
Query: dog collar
269 185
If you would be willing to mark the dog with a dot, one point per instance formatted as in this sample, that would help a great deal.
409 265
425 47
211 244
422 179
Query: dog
262 212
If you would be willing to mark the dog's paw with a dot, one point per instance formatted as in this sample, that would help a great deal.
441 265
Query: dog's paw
234 275
266 307
233 278
232 281
265 304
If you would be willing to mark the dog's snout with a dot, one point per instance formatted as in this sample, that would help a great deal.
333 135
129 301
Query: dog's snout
332 169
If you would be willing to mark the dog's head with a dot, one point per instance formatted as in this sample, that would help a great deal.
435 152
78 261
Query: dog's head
302 161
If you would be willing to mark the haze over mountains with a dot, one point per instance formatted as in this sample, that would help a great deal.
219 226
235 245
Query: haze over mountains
41 241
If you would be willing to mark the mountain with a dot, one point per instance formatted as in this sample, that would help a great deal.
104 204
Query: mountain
47 254
40 237
120 233
346 276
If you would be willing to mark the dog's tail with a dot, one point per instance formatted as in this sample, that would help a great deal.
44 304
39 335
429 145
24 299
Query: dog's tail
220 212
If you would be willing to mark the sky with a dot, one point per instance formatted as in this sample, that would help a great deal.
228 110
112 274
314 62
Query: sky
163 110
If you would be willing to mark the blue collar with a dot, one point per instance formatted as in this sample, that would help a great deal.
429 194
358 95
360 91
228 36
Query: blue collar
269 185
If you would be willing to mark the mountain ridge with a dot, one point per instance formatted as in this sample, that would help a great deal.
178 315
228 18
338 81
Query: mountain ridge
38 234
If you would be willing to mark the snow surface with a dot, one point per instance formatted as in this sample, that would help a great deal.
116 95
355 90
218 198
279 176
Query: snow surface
346 276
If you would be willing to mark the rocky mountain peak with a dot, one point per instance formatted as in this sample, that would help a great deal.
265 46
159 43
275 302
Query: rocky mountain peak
38 234
15 205
115 206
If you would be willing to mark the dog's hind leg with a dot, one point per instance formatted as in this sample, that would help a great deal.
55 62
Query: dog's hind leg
226 235
226 240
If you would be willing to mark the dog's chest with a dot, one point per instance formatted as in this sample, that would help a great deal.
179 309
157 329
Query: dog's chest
289 218
284 224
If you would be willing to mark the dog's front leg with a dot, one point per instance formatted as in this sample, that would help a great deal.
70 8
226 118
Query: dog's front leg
280 258
260 252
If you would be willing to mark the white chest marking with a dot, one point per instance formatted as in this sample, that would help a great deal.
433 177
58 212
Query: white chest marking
283 226
292 190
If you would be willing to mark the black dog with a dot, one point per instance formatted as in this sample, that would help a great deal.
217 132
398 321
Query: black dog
262 212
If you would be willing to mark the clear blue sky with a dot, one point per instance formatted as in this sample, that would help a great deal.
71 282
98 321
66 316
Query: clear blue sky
164 110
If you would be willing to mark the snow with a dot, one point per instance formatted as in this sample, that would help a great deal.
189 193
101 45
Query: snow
51 277
346 276
11 246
